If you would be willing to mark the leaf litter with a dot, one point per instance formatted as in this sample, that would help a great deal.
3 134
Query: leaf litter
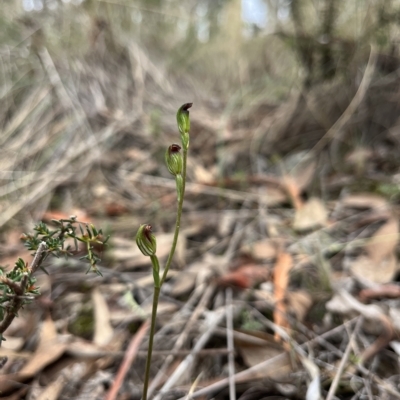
310 259
279 266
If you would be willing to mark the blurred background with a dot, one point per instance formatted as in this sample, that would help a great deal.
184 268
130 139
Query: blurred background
89 90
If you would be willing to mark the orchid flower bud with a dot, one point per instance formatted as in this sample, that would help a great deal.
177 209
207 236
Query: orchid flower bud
183 120
146 241
174 160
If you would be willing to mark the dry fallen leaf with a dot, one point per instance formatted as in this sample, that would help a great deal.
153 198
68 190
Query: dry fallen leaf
103 331
299 302
201 174
384 241
184 282
50 348
283 265
311 215
12 344
253 356
364 267
272 196
261 250
246 276
54 389
379 263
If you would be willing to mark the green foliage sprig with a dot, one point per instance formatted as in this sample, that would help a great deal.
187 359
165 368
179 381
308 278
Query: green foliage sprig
17 287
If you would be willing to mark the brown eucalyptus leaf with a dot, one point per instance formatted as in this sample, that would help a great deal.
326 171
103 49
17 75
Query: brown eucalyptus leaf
379 262
253 356
103 331
263 249
382 271
384 241
311 215
299 302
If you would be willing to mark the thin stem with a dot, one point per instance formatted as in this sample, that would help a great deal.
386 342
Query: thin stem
158 283
178 221
12 309
151 340
18 301
156 271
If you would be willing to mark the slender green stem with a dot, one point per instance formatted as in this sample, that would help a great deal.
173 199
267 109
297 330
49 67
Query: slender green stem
158 283
178 222
156 295
151 340
156 271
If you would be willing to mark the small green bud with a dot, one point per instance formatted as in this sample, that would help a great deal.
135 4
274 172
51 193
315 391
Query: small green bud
183 120
174 160
146 241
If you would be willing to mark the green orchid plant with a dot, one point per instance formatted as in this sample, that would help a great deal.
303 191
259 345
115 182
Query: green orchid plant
176 161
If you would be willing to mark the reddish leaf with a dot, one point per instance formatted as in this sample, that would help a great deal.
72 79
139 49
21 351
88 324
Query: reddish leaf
281 279
246 276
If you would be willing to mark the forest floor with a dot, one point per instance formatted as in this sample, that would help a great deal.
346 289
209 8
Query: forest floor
285 280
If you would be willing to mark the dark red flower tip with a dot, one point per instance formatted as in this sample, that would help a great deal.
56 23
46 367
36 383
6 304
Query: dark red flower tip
186 106
147 231
174 148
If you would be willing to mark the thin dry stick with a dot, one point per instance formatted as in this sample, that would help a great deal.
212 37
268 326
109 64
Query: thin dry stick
354 104
360 367
128 360
351 108
374 313
50 181
29 105
186 364
182 338
93 354
275 362
195 298
246 338
197 188
367 389
235 238
231 348
250 373
193 386
386 386
269 324
343 361
64 96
